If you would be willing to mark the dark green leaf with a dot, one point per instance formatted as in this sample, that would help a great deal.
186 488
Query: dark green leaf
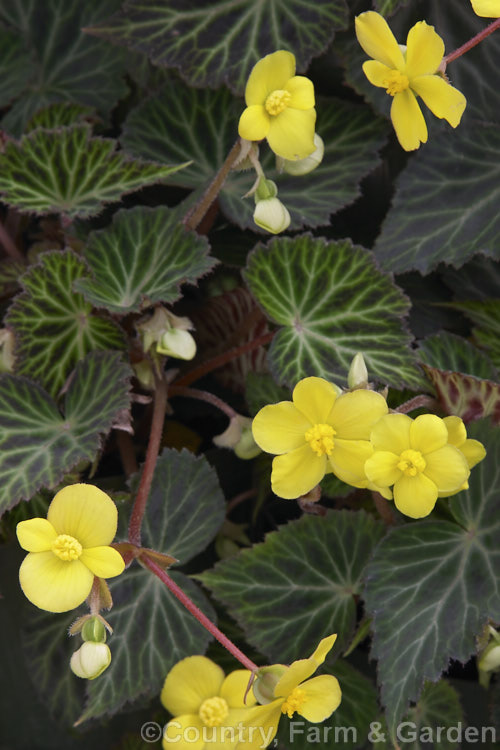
486 316
303 580
447 351
60 115
38 445
464 395
333 302
143 257
261 390
67 171
218 43
54 327
432 585
15 66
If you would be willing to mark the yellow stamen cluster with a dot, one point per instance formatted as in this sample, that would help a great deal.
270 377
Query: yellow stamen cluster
66 547
396 82
411 463
213 711
294 702
320 438
277 101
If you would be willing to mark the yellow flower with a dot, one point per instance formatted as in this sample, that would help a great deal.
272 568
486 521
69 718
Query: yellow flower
206 705
68 548
486 8
320 432
414 455
314 699
472 450
280 107
408 71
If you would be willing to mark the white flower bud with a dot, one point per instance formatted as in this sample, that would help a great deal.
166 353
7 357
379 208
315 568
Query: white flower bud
239 437
90 660
304 166
358 374
170 334
271 215
177 343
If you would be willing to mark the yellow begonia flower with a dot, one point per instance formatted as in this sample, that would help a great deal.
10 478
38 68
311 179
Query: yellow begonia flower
68 548
486 8
406 72
314 699
280 107
322 431
473 450
414 455
207 707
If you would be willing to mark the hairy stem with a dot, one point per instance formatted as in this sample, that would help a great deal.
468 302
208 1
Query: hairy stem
196 612
416 403
160 405
384 509
472 42
203 396
9 245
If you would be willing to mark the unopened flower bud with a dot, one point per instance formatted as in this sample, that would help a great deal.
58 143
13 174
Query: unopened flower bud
177 343
489 661
6 350
94 630
266 680
304 166
271 215
90 660
239 437
168 333
358 374
143 371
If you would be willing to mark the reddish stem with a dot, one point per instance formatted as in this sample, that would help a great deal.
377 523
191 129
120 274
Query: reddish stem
9 245
196 612
222 359
416 403
160 405
384 509
203 396
235 501
472 42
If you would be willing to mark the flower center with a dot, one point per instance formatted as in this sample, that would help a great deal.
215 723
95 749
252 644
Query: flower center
396 82
277 101
320 438
294 702
411 463
213 711
66 547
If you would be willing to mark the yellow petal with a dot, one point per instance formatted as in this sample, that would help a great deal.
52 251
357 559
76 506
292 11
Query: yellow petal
270 73
302 91
376 72
447 468
415 496
473 451
297 472
254 123
348 460
291 133
443 100
382 468
315 397
260 724
408 121
104 562
457 433
354 414
84 512
323 648
184 733
295 674
189 683
280 428
486 8
377 40
392 433
424 51
36 535
53 584
323 696
235 687
428 433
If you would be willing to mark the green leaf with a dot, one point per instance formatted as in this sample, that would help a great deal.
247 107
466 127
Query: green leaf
332 302
38 445
486 316
387 7
304 579
67 171
60 115
434 216
152 631
64 63
180 124
464 395
186 507
54 327
348 726
447 351
219 43
261 390
15 66
143 257
432 585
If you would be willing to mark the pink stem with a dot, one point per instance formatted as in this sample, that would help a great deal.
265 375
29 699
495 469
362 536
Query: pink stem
472 42
416 403
196 612
203 396
9 245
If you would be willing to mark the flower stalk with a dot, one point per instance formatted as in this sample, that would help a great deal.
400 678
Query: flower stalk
472 42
